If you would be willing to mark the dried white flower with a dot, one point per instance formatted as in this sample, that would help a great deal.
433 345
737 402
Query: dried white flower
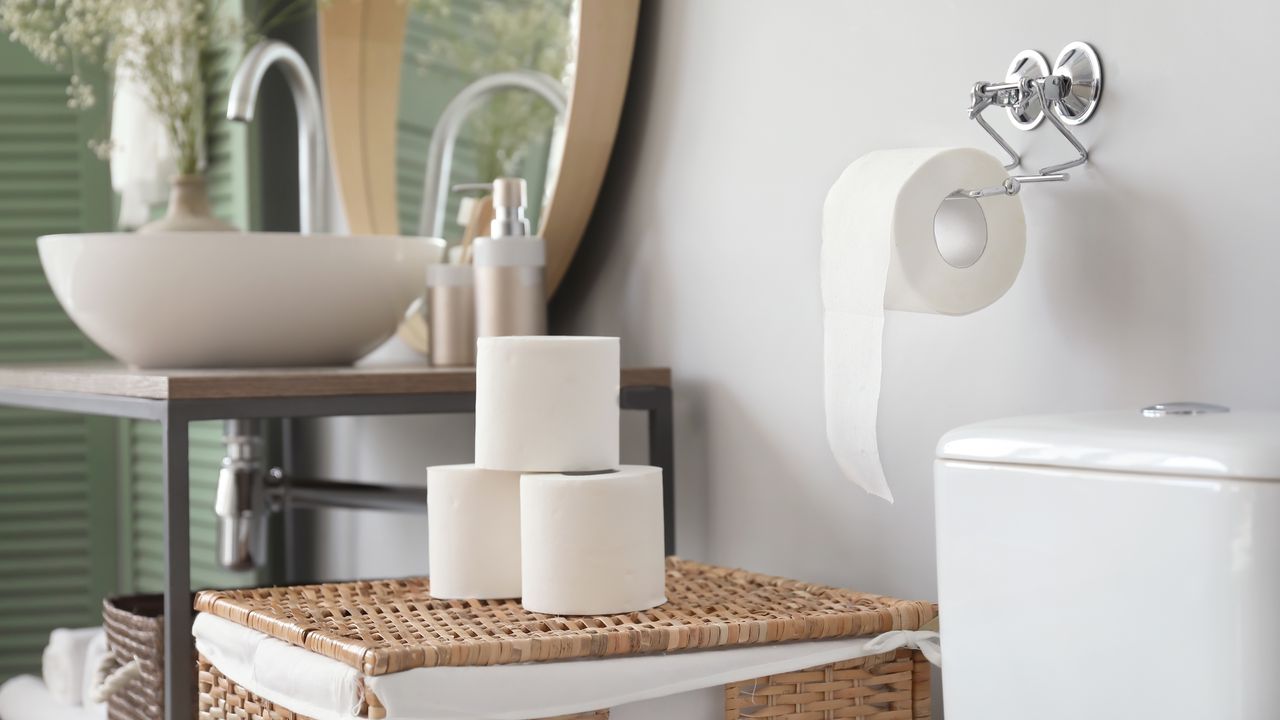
79 94
101 149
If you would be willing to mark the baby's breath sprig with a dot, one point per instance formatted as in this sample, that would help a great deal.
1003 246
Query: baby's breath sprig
160 43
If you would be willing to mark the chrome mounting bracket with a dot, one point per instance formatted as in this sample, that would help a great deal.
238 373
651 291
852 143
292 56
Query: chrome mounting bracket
1030 93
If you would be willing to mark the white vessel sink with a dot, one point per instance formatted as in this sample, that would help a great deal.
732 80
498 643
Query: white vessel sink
232 299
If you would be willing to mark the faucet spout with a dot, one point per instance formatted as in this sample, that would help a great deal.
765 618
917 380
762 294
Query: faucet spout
440 152
306 98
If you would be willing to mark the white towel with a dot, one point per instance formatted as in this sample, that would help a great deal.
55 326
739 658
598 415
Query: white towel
63 662
94 656
142 155
26 698
305 682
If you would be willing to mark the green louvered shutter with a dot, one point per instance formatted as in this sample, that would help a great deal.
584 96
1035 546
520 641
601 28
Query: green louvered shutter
57 497
425 89
144 518
229 176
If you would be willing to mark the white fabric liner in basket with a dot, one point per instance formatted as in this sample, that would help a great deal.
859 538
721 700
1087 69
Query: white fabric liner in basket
311 684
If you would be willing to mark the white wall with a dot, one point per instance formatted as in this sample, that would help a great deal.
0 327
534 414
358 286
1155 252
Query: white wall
1150 276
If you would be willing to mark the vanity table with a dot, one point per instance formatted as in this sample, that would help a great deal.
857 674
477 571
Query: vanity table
176 398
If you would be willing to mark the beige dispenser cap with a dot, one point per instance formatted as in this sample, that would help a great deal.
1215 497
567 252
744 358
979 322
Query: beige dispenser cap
510 197
509 192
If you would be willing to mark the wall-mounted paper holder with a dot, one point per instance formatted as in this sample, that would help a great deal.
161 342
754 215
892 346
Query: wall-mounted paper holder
1030 93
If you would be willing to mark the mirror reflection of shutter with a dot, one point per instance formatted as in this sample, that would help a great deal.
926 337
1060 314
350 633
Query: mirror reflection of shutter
424 91
57 496
230 175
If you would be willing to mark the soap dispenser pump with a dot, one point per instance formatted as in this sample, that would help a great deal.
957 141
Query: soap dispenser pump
510 266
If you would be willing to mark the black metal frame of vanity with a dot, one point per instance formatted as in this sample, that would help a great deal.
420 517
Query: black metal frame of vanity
175 415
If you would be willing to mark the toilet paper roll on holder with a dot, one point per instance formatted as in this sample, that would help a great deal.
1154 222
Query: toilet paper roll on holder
1030 93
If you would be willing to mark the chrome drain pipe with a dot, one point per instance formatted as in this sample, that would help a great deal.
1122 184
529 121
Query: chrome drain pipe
250 490
240 502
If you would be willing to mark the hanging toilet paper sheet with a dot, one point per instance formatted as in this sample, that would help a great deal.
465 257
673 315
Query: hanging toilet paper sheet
879 253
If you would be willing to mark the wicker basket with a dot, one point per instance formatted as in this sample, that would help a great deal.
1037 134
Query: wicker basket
135 630
388 626
889 686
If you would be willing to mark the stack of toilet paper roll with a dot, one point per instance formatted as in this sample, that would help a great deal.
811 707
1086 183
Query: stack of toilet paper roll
547 513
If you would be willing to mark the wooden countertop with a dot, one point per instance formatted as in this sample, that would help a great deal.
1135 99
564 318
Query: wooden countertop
117 380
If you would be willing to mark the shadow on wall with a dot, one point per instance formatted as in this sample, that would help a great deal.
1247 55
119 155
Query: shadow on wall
602 259
571 304
1123 289
692 471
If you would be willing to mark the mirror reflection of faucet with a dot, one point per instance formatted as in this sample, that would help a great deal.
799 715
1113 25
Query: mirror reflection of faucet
444 138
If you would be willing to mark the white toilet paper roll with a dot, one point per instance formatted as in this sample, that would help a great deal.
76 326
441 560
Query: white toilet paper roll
547 404
473 532
592 543
879 253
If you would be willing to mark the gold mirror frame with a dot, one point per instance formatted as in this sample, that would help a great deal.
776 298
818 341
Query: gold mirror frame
361 43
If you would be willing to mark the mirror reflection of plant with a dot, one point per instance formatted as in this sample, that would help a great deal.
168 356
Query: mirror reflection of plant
160 43
506 35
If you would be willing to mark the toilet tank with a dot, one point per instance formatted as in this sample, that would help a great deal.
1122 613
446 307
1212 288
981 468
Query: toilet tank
1111 565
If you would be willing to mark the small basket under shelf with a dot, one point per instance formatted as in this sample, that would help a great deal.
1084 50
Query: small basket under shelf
134 625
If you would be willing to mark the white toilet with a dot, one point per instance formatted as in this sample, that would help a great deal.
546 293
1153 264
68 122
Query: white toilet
1111 565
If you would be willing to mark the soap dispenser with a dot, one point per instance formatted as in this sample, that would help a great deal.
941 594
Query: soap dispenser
451 311
510 267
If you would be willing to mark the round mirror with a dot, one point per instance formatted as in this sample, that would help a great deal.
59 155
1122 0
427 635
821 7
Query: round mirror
425 95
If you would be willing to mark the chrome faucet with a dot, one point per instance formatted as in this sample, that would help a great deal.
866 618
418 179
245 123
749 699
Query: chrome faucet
440 153
306 100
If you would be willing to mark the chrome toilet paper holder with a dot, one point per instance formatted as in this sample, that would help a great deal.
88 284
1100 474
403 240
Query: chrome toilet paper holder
1030 93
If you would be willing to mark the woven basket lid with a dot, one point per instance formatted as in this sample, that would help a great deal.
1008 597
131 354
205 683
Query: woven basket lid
387 626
